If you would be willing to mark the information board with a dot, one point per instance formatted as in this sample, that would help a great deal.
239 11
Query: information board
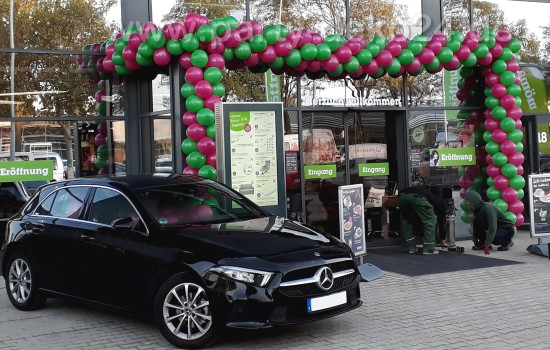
352 217
539 187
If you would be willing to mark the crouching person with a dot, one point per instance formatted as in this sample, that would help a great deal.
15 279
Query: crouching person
490 225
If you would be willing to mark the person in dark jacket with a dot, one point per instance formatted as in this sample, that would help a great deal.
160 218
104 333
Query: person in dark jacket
419 204
490 225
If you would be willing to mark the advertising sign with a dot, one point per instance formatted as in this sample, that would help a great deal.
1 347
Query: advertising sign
533 90
441 157
450 82
539 186
272 87
352 217
374 169
320 171
26 170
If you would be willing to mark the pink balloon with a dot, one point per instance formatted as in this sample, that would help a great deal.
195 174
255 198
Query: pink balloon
509 194
215 60
196 131
134 40
257 27
202 212
283 47
268 55
519 125
100 96
465 181
484 61
206 145
517 159
162 57
185 60
520 169
503 37
357 74
414 66
354 45
401 40
99 140
109 50
331 64
463 52
426 56
463 192
193 75
371 68
499 135
501 182
301 66
496 51
147 28
211 101
519 219
514 112
440 38
384 58
211 159
245 31
103 171
498 90
507 101
489 159
453 64
203 89
188 118
314 65
190 171
471 43
394 48
434 46
316 38
512 65
252 60
463 94
102 129
493 170
343 53
216 45
472 171
508 147
516 207
131 64
232 38
191 22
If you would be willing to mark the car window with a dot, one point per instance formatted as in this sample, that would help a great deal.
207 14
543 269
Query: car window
109 205
65 203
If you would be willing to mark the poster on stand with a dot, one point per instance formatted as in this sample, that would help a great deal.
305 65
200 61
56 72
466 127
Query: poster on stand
539 186
352 217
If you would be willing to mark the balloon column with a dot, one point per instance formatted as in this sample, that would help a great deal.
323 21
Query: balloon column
204 47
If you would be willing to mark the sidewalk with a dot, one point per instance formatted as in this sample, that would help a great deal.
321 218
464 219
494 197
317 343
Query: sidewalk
502 307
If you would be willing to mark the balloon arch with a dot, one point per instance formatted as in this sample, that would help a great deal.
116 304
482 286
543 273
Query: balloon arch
487 63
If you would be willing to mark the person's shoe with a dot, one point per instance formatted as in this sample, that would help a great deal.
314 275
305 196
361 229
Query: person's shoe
435 252
505 247
413 251
480 247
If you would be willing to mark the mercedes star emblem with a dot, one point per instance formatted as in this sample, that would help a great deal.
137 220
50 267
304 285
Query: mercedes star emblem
325 278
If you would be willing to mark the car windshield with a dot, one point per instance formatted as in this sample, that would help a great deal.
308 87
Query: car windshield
197 203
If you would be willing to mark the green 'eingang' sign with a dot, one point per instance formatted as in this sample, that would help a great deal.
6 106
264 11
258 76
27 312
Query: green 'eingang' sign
34 170
374 169
325 171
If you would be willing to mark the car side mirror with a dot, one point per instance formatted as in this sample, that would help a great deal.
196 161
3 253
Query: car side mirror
123 224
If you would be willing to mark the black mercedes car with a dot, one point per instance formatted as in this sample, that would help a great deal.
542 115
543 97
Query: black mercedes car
188 251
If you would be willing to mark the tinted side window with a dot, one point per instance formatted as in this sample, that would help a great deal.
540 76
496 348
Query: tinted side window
108 206
65 203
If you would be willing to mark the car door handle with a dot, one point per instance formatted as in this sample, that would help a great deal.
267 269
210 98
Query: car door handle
86 238
38 228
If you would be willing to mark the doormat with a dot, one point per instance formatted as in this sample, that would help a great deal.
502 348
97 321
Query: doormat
396 259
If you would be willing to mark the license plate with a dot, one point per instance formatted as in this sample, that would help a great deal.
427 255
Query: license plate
326 302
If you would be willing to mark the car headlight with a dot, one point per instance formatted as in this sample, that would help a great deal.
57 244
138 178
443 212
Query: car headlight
255 277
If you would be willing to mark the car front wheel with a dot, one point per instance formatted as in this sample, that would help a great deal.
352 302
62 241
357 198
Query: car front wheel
21 285
183 313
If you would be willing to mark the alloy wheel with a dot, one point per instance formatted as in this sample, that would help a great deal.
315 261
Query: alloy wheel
20 280
186 311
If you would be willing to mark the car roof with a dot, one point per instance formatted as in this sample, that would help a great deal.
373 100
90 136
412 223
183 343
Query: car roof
135 182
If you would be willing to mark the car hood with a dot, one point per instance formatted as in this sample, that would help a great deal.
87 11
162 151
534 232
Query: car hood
262 237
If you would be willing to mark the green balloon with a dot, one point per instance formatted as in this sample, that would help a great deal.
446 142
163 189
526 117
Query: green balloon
196 159
500 159
103 151
493 194
243 50
145 49
213 75
194 103
394 67
337 71
101 108
490 41
507 78
144 61
481 51
506 54
156 39
453 44
461 170
471 61
206 33
218 89
334 41
187 89
509 170
219 25
199 58
519 147
117 58
205 117
189 146
487 92
521 193
352 65
228 54
278 63
465 72
308 51
434 65
511 216
415 47
406 56
120 44
463 114
231 22
211 131
487 136
465 217
283 30
100 162
294 58
211 202
122 70
464 205
380 41
190 42
323 52
478 136
514 45
492 147
271 34
498 112
445 55
518 101
491 102
364 56
373 48
508 124
258 43
490 182
207 171
174 47
517 182
379 73
499 67
513 90
501 204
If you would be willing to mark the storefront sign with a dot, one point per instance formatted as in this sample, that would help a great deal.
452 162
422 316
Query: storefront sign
539 186
272 87
374 169
533 90
329 101
368 151
352 217
26 170
450 82
441 157
325 171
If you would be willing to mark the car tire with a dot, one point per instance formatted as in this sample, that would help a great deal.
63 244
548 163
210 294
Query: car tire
183 313
21 284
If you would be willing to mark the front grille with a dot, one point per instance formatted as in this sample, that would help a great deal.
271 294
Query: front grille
312 289
310 271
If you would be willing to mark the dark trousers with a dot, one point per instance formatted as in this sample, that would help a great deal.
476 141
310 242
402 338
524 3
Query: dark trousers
503 236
